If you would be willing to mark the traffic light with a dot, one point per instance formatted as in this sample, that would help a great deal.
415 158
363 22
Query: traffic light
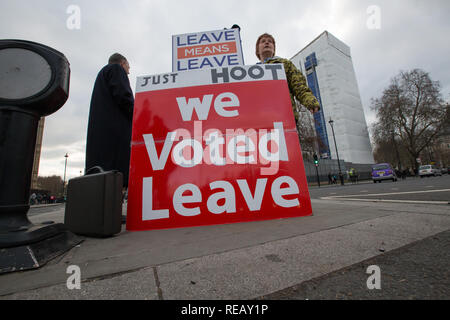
316 160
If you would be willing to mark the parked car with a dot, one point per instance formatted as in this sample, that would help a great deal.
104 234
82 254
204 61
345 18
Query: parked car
383 171
429 170
444 170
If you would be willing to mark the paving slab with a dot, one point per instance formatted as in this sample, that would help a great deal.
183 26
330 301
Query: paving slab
234 261
417 271
248 273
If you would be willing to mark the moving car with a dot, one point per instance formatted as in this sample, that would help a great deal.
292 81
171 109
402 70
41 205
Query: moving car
383 171
429 170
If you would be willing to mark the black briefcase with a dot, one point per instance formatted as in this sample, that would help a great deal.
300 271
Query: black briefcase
94 203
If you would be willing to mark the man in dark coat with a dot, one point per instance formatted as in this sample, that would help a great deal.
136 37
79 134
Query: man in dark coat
110 119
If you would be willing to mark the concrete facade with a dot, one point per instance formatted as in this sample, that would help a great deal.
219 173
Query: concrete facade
327 64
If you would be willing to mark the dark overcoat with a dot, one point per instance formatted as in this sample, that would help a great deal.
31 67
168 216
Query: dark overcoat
110 121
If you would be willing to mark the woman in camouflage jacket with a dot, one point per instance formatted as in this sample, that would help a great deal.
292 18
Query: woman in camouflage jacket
265 51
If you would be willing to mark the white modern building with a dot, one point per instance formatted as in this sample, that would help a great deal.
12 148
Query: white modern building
327 65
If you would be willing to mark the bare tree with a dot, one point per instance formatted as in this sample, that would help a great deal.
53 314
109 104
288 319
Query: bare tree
410 113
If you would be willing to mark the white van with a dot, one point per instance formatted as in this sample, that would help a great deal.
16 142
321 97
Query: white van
429 170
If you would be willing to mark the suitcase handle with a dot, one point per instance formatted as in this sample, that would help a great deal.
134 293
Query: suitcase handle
96 169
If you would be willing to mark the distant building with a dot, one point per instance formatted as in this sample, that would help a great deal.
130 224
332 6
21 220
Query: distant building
37 154
441 150
327 64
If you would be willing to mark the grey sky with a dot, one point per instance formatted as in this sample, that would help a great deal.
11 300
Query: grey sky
413 34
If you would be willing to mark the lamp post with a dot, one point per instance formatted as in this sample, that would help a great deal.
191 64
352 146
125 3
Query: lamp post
64 181
341 177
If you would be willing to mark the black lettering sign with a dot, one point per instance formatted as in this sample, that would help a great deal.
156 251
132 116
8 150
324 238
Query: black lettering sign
160 79
239 73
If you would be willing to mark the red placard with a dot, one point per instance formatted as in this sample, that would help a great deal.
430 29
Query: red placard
215 146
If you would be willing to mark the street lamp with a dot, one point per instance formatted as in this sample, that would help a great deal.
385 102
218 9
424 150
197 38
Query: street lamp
341 177
64 181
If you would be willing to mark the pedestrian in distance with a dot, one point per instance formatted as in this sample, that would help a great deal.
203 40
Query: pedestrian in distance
404 174
33 198
353 175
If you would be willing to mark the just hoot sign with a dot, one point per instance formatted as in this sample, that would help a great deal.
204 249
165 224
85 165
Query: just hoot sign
215 146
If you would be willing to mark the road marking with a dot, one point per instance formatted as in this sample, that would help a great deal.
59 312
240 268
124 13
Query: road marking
380 200
348 197
392 193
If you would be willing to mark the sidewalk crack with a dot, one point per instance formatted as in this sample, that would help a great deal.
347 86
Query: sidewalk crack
158 288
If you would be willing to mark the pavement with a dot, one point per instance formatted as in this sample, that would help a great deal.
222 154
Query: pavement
418 271
324 256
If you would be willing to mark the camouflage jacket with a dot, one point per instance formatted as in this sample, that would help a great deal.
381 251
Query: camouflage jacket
297 85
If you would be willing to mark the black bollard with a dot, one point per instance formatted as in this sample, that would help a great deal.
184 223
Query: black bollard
34 82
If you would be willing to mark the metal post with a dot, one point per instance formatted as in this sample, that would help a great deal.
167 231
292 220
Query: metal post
64 181
34 83
341 177
317 174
